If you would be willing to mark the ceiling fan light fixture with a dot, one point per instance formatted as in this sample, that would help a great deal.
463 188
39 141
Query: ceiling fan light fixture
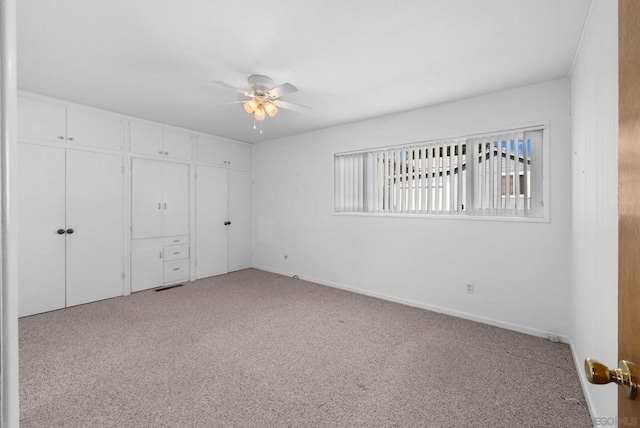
270 108
259 114
251 105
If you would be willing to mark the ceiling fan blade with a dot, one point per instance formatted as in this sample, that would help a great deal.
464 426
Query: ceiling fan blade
278 91
291 106
226 104
227 86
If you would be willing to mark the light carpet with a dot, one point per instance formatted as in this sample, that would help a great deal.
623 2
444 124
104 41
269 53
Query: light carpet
255 349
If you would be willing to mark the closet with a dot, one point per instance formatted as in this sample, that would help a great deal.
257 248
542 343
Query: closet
223 207
70 207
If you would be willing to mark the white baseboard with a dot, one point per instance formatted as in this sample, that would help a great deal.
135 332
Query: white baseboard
490 321
583 381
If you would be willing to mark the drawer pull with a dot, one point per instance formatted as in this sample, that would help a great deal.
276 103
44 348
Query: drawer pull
176 240
176 268
177 253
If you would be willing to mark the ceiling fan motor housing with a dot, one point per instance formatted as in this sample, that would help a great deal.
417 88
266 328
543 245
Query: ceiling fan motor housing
260 84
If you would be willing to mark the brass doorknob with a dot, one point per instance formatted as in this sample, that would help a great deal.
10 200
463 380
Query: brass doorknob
626 375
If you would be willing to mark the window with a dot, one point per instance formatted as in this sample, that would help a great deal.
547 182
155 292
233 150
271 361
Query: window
464 176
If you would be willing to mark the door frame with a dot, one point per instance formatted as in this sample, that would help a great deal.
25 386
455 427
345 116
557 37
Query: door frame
9 386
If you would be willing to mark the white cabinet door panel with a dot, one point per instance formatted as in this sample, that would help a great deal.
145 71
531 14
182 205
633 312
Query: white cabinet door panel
41 212
175 194
42 121
211 213
146 138
92 129
146 264
239 155
95 213
211 150
240 216
146 198
177 144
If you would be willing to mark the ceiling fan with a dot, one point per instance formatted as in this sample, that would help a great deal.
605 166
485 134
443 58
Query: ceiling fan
262 97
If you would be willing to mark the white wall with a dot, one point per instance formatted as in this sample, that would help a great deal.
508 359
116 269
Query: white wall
520 270
594 231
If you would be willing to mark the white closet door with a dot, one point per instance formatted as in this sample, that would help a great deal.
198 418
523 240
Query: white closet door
211 214
41 213
92 129
177 144
41 121
211 150
175 195
146 138
240 216
239 155
146 198
95 213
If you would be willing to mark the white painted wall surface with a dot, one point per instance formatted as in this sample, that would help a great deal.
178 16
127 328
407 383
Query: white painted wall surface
520 270
594 119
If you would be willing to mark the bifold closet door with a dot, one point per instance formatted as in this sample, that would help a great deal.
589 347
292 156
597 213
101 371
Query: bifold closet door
211 215
240 216
41 216
95 214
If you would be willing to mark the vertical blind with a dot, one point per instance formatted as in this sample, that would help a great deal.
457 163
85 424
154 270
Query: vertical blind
490 175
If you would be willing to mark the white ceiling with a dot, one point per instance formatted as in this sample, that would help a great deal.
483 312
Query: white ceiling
350 59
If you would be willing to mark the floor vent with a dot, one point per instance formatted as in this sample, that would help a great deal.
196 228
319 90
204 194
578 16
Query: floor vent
168 287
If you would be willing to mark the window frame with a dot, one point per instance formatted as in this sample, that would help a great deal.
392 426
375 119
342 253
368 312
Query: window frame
467 215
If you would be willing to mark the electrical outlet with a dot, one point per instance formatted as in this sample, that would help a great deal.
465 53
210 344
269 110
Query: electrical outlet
469 288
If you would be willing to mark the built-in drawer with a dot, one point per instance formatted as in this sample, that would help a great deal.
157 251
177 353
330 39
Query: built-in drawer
177 270
176 252
176 240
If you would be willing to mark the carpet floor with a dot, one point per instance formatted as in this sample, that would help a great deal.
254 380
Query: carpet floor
255 349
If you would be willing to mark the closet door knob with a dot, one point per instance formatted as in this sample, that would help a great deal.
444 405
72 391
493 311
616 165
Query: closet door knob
227 223
61 232
69 231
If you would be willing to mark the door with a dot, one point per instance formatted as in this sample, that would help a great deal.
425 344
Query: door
177 144
146 138
211 215
95 215
240 217
146 198
146 264
211 150
92 129
175 199
628 195
41 121
41 226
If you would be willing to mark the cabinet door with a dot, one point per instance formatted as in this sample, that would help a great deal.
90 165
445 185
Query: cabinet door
211 214
41 121
95 213
211 150
41 250
146 265
239 155
177 144
175 199
240 216
146 138
92 129
146 198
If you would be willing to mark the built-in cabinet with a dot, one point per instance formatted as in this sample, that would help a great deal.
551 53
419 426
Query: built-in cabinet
70 227
188 205
159 223
40 121
156 140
